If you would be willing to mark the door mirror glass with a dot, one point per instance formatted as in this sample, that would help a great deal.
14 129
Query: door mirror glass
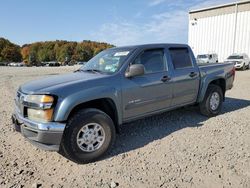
135 70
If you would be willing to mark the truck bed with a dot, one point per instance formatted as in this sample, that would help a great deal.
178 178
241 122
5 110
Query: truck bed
223 70
214 67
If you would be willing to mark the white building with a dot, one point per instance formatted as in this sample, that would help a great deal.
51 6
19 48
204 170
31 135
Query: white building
223 29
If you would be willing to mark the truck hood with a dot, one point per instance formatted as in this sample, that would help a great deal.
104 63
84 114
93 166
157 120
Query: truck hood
45 85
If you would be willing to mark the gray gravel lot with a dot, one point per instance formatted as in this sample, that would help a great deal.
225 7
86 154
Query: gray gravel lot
174 149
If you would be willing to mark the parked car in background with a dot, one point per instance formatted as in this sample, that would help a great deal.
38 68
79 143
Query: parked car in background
207 58
50 64
22 64
79 113
54 64
12 64
71 63
81 63
4 63
16 64
45 64
240 60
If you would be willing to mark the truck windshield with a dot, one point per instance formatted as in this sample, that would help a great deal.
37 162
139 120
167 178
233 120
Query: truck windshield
108 61
235 57
202 56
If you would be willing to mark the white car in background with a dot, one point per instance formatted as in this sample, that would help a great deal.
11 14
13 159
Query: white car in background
241 61
207 58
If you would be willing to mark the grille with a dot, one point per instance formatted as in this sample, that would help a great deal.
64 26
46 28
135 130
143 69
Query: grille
19 102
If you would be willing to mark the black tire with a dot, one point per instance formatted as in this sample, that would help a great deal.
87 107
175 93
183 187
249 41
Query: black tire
205 108
69 147
243 67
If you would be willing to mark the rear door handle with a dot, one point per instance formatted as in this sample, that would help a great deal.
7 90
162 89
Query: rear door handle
192 74
165 78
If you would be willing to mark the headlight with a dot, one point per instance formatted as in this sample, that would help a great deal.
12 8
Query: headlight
39 107
40 115
39 101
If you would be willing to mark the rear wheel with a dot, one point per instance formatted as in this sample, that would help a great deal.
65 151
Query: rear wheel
212 102
89 134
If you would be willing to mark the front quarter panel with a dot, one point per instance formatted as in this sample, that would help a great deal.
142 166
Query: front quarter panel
67 104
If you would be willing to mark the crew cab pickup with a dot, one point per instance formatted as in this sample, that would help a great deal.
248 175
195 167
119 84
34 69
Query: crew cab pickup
79 113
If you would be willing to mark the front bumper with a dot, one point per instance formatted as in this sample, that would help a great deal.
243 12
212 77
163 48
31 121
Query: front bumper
238 66
44 135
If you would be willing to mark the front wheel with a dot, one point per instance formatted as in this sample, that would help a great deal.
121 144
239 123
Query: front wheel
212 102
243 67
89 134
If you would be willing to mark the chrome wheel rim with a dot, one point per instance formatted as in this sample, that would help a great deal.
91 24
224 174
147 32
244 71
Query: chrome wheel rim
214 100
90 137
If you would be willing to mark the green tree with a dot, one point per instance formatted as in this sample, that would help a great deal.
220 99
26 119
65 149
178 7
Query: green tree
9 51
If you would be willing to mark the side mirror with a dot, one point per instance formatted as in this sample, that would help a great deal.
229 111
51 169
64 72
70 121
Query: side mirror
135 70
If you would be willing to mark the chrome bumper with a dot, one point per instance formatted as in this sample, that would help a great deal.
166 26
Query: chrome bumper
44 135
238 66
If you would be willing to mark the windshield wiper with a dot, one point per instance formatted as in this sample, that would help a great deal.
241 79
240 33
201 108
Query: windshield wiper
78 70
89 70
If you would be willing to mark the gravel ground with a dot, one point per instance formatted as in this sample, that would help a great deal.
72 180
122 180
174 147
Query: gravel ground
175 149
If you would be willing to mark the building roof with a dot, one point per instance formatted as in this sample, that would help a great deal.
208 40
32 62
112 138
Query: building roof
228 8
220 6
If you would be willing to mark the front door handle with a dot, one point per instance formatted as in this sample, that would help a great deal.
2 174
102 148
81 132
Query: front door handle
192 74
165 78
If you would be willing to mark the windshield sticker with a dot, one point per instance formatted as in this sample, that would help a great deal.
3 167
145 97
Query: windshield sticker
108 67
111 68
121 53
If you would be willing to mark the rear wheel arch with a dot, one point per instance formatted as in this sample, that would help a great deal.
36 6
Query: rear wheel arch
219 82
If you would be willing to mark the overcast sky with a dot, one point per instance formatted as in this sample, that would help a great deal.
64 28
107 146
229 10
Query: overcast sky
114 21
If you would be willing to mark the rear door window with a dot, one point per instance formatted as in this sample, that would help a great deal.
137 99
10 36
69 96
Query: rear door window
180 58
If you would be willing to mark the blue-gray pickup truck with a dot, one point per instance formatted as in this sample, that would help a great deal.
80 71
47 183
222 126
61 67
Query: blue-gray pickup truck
79 113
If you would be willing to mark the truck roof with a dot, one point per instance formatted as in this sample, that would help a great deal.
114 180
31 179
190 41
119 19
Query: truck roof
156 45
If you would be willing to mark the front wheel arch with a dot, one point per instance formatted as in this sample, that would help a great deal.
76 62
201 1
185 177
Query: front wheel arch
106 105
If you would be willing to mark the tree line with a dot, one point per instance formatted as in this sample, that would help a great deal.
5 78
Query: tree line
60 50
9 51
